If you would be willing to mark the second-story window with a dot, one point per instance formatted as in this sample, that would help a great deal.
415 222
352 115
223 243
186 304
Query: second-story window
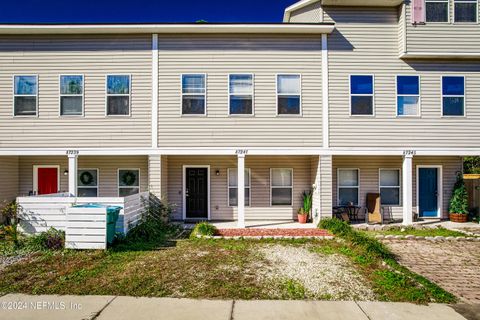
465 10
25 95
240 90
361 95
408 95
453 96
288 94
71 95
436 10
118 95
193 94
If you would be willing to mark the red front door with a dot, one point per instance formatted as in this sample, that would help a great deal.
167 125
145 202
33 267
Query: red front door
47 180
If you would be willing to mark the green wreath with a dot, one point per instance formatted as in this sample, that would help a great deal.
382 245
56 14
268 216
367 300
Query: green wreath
129 178
86 178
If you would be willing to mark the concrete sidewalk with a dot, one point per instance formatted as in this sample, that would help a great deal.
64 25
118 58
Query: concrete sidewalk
18 306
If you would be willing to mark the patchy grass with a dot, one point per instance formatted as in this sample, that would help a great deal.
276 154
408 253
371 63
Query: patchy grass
423 232
390 280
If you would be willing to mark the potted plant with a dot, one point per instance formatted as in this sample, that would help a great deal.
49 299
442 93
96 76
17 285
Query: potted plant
458 208
304 212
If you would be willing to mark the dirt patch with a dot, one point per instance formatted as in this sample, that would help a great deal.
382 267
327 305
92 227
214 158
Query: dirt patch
255 232
329 277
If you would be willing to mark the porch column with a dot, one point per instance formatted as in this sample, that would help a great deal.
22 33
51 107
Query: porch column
72 174
407 186
241 191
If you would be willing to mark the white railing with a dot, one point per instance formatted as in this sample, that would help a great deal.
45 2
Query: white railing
86 228
38 214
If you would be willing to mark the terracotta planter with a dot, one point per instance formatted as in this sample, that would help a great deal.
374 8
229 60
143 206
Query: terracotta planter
302 218
457 217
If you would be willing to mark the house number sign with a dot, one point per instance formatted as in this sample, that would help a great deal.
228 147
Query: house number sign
409 152
241 151
73 152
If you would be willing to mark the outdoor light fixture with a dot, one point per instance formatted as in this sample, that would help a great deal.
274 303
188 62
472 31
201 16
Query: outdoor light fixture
217 173
65 173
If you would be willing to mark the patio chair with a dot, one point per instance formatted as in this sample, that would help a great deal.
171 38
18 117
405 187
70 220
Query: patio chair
374 209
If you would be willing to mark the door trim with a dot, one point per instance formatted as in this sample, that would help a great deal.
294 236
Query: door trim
35 175
440 189
184 183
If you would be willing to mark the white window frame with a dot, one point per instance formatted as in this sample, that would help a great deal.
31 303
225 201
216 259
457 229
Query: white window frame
24 95
391 187
89 187
60 95
463 22
230 187
252 94
350 95
437 22
123 187
454 96
281 187
299 94
193 94
339 187
419 112
129 95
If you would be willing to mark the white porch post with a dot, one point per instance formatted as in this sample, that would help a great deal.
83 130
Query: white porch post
407 169
72 174
241 191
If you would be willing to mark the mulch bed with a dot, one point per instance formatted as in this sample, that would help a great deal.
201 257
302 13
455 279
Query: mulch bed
255 232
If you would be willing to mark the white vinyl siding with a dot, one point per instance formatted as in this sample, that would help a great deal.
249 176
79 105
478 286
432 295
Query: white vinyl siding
233 190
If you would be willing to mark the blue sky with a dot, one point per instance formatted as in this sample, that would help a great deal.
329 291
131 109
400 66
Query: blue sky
70 11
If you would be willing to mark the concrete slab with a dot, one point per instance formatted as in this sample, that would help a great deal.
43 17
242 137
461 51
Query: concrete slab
43 307
408 311
127 308
293 310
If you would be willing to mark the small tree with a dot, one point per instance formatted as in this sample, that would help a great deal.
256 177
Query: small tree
459 200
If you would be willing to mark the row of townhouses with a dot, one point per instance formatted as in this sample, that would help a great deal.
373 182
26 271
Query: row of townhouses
235 121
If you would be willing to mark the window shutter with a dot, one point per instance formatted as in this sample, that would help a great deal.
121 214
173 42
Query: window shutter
418 11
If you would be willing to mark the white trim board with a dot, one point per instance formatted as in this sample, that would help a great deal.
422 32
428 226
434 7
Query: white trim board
439 185
184 186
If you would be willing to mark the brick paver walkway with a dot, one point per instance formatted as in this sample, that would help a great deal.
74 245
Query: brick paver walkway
453 265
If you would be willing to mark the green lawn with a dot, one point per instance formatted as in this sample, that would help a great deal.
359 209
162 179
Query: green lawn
213 269
423 232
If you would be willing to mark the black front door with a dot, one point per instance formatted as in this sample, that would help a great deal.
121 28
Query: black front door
196 193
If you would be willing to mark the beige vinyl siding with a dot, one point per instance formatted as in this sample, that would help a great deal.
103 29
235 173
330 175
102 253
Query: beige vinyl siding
219 56
94 56
366 42
9 178
108 171
442 37
308 14
260 208
369 176
326 193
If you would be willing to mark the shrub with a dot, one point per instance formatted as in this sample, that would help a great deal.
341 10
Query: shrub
203 229
336 226
153 224
459 200
52 239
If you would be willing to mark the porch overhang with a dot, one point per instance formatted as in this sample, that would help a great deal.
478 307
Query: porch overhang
259 151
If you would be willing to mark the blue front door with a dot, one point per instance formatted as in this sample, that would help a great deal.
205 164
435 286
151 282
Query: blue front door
428 192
